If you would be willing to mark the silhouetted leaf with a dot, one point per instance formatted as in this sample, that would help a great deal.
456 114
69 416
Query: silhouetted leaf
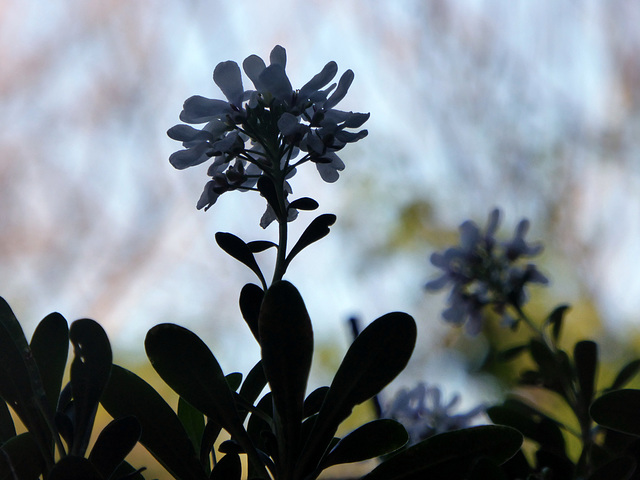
228 468
258 246
585 357
618 410
304 203
252 387
486 469
286 341
555 319
114 443
89 375
626 373
239 250
50 347
187 365
375 358
268 190
511 353
162 432
74 468
251 297
314 401
449 455
20 458
316 230
7 428
193 421
619 469
372 439
20 382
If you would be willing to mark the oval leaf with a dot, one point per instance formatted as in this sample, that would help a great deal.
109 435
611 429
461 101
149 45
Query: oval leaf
20 458
162 432
251 297
90 371
450 455
304 203
372 439
627 372
50 347
114 443
239 250
316 230
74 468
286 341
375 358
585 357
187 365
618 411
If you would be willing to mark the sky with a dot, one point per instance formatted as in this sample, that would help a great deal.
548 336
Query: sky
529 106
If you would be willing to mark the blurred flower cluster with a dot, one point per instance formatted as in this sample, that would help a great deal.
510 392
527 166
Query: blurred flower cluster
483 271
268 131
423 413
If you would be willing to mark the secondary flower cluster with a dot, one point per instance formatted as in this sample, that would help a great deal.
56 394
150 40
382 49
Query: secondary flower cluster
485 272
267 131
423 413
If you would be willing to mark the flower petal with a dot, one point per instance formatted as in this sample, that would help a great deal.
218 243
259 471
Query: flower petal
188 158
228 77
275 81
318 81
341 91
278 56
253 66
199 109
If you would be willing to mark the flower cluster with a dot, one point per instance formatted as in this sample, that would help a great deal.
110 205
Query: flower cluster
268 131
485 272
423 413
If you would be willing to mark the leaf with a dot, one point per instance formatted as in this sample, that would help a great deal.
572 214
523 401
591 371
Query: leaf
555 319
268 190
239 250
162 432
74 468
193 421
251 297
20 458
228 468
531 423
621 468
585 357
304 203
450 455
314 401
89 375
252 387
372 439
625 375
187 365
317 229
375 358
618 411
258 246
511 353
486 469
50 347
286 341
7 428
20 382
114 443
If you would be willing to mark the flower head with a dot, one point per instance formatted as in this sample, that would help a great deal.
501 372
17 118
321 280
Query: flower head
268 131
423 412
485 272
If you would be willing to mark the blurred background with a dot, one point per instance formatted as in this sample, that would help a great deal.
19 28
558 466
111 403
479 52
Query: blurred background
533 107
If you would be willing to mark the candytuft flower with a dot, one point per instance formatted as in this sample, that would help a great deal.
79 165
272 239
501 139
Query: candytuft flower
268 131
484 272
